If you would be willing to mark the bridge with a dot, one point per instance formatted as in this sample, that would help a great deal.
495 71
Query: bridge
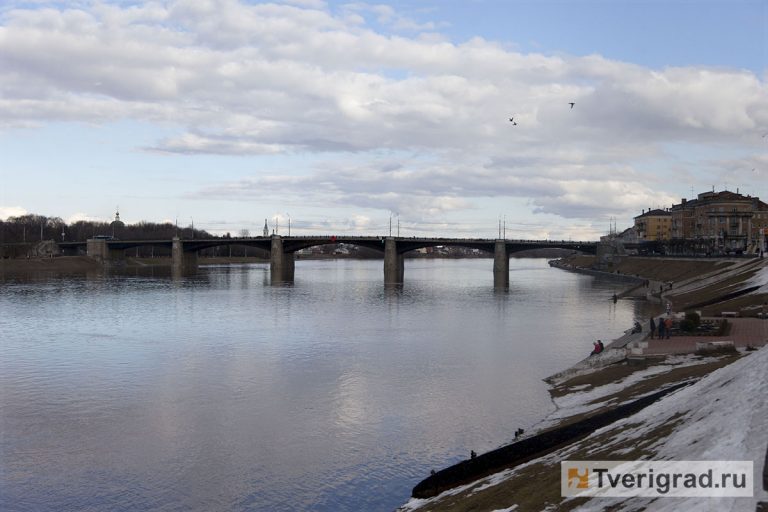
282 251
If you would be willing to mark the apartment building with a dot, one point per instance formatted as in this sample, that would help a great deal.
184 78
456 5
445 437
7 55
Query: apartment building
720 222
653 225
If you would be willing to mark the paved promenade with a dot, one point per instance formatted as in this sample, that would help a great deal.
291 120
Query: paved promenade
744 332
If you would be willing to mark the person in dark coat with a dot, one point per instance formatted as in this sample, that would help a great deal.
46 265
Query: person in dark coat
653 328
661 328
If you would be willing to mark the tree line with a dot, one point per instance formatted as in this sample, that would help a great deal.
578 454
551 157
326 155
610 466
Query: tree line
34 228
19 235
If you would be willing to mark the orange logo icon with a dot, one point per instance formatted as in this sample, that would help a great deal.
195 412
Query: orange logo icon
577 480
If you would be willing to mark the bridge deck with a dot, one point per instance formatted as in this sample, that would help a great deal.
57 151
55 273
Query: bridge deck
294 243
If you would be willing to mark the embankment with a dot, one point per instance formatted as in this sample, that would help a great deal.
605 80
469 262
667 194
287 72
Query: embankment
67 264
709 285
529 448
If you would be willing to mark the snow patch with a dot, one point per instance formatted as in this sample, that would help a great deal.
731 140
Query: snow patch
724 416
582 402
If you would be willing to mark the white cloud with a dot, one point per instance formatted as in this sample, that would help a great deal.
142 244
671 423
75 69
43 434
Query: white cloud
80 216
11 211
300 78
314 4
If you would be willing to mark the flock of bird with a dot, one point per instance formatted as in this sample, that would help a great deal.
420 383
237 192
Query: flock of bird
571 103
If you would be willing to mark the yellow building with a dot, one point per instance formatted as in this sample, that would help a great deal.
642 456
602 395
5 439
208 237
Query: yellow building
653 225
719 222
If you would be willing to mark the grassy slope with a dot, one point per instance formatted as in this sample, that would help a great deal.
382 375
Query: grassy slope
723 277
536 484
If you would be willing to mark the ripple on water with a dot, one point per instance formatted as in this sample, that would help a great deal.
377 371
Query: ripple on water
145 392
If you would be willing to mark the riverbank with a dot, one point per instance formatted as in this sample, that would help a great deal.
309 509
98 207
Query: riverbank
712 286
66 264
694 422
593 389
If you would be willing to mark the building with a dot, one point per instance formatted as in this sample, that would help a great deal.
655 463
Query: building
719 222
760 225
653 225
116 225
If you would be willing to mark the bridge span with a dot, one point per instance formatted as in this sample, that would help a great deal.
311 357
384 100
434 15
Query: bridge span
282 250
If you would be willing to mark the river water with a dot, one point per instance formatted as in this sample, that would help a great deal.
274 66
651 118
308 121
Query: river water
138 391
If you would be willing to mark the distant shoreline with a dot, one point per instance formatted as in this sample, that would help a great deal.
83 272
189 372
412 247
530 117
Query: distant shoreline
73 264
67 264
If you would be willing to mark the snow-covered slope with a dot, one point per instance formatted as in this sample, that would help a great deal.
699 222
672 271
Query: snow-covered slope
723 416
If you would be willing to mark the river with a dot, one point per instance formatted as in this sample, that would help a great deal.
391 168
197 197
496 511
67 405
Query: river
138 391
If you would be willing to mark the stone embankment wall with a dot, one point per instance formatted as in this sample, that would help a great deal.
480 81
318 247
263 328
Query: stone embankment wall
590 364
614 275
529 448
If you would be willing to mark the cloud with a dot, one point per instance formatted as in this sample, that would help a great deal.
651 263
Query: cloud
425 191
11 211
362 81
386 15
80 216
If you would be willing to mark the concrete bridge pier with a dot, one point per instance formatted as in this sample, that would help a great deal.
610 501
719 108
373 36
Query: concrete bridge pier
182 261
99 250
281 264
394 263
500 265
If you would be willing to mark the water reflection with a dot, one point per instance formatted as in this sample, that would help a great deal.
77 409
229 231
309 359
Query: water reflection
145 390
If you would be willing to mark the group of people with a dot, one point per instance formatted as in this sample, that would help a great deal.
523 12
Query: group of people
664 326
599 347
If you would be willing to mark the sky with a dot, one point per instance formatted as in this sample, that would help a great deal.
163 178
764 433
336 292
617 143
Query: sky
346 117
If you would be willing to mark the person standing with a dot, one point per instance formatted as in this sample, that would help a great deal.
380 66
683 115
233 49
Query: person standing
661 328
653 328
668 326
